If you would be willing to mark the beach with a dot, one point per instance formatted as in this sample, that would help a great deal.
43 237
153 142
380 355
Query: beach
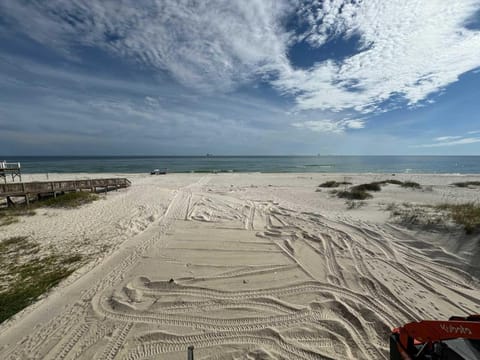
247 266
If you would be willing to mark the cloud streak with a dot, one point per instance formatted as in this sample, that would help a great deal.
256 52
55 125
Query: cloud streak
446 141
330 126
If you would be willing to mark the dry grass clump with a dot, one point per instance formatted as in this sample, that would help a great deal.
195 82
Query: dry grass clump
26 273
466 184
332 184
10 215
391 181
374 186
406 184
353 204
408 214
411 184
360 192
69 200
466 215
354 194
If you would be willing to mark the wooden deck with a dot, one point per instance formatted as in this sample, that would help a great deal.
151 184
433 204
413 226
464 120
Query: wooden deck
54 187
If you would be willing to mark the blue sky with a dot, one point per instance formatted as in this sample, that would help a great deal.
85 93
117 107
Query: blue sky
161 77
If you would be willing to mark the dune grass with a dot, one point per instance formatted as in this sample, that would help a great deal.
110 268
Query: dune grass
374 186
354 194
391 181
466 184
10 215
360 192
68 200
411 184
466 215
71 200
332 184
25 274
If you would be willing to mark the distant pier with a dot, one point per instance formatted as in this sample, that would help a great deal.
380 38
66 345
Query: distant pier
39 188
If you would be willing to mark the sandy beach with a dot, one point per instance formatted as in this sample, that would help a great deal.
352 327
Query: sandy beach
246 266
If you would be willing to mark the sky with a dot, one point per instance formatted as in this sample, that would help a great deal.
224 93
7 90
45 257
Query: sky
270 77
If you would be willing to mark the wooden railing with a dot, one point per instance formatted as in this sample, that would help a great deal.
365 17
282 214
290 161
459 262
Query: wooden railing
21 189
9 166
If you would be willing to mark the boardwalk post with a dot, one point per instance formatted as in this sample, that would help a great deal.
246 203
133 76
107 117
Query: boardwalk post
10 202
190 352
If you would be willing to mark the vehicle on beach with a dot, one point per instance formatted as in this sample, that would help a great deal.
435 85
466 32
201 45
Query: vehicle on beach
159 171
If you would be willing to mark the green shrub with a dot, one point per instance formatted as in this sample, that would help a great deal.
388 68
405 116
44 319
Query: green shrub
411 184
354 194
69 200
467 183
391 181
467 215
332 183
10 215
374 186
25 274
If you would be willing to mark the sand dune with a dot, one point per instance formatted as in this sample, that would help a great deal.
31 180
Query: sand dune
243 266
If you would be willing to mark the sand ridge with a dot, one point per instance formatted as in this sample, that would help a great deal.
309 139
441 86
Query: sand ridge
250 266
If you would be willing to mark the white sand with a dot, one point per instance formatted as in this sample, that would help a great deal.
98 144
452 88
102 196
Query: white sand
263 266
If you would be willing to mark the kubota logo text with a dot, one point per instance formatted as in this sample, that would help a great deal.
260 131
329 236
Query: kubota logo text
451 329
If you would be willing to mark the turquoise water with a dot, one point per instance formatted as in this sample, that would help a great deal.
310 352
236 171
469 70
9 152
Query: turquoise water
323 164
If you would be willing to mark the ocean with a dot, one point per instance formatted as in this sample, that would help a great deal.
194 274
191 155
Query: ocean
267 164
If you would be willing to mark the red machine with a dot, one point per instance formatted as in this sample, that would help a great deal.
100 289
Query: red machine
455 339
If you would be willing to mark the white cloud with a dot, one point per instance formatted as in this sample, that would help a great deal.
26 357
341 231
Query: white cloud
446 138
330 126
462 141
355 124
210 44
409 48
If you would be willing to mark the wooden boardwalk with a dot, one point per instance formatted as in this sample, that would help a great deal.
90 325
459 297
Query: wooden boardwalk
55 187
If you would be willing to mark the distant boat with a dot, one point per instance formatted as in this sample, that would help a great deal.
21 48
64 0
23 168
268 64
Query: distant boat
209 155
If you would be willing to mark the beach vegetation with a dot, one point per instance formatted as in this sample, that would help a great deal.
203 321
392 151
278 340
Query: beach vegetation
390 181
467 215
408 214
354 204
374 186
26 273
69 200
11 215
354 194
466 184
332 184
411 184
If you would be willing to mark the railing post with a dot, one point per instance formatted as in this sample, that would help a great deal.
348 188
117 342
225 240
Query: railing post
190 352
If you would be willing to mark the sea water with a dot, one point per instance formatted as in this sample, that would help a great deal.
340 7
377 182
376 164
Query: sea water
268 164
